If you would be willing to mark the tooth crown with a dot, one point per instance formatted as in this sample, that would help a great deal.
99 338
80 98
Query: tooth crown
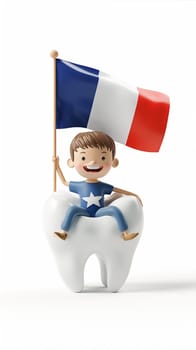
89 236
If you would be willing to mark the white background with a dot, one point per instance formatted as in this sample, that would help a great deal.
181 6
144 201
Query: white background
151 45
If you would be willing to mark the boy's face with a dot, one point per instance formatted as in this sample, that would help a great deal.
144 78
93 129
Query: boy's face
92 162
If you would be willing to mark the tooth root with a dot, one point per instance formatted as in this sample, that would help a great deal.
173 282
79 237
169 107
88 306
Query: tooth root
103 270
117 272
71 269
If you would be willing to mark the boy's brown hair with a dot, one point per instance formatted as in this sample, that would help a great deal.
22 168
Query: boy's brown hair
92 139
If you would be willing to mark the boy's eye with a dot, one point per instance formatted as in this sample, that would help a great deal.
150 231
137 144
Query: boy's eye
83 158
103 158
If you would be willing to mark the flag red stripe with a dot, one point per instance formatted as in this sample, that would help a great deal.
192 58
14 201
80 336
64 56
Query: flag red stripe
149 122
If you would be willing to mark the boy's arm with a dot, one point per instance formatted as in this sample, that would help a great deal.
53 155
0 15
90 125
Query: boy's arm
59 171
119 190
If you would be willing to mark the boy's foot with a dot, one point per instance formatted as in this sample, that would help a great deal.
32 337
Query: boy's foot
62 235
128 236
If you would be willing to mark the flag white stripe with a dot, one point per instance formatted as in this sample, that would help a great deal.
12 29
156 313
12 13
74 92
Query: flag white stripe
113 108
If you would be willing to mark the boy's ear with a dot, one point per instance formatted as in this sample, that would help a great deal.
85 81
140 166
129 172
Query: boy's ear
70 163
115 162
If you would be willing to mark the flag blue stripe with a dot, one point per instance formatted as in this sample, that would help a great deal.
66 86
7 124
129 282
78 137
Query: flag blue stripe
75 90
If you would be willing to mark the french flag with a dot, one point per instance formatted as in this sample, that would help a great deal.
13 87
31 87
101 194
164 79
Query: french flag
86 97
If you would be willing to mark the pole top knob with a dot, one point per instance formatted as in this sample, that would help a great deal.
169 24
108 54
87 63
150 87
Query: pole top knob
54 54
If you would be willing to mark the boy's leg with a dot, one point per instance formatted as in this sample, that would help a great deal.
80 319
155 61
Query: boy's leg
115 212
71 213
122 224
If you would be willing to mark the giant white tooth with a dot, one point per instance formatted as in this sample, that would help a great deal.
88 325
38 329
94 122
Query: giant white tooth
89 236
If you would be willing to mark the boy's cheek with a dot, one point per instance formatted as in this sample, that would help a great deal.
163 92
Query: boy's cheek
107 166
79 166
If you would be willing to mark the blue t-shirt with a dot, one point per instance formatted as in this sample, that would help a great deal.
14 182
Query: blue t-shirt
91 194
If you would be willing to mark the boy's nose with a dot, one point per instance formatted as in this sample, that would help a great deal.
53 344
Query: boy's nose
92 162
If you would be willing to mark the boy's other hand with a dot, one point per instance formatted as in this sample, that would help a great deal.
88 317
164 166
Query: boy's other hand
56 161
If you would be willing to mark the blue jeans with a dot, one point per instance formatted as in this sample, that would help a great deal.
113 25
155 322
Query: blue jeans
74 211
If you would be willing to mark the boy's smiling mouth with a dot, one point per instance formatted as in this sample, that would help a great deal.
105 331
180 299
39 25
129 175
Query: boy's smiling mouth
92 168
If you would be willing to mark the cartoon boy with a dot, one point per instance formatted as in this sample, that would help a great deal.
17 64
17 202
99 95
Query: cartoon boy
92 155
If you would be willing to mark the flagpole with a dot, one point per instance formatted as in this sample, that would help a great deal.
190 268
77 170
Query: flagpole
54 55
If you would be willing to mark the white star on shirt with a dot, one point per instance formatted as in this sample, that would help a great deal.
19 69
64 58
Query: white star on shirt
92 199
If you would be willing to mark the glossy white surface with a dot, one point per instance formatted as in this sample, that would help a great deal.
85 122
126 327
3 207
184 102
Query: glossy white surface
89 236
